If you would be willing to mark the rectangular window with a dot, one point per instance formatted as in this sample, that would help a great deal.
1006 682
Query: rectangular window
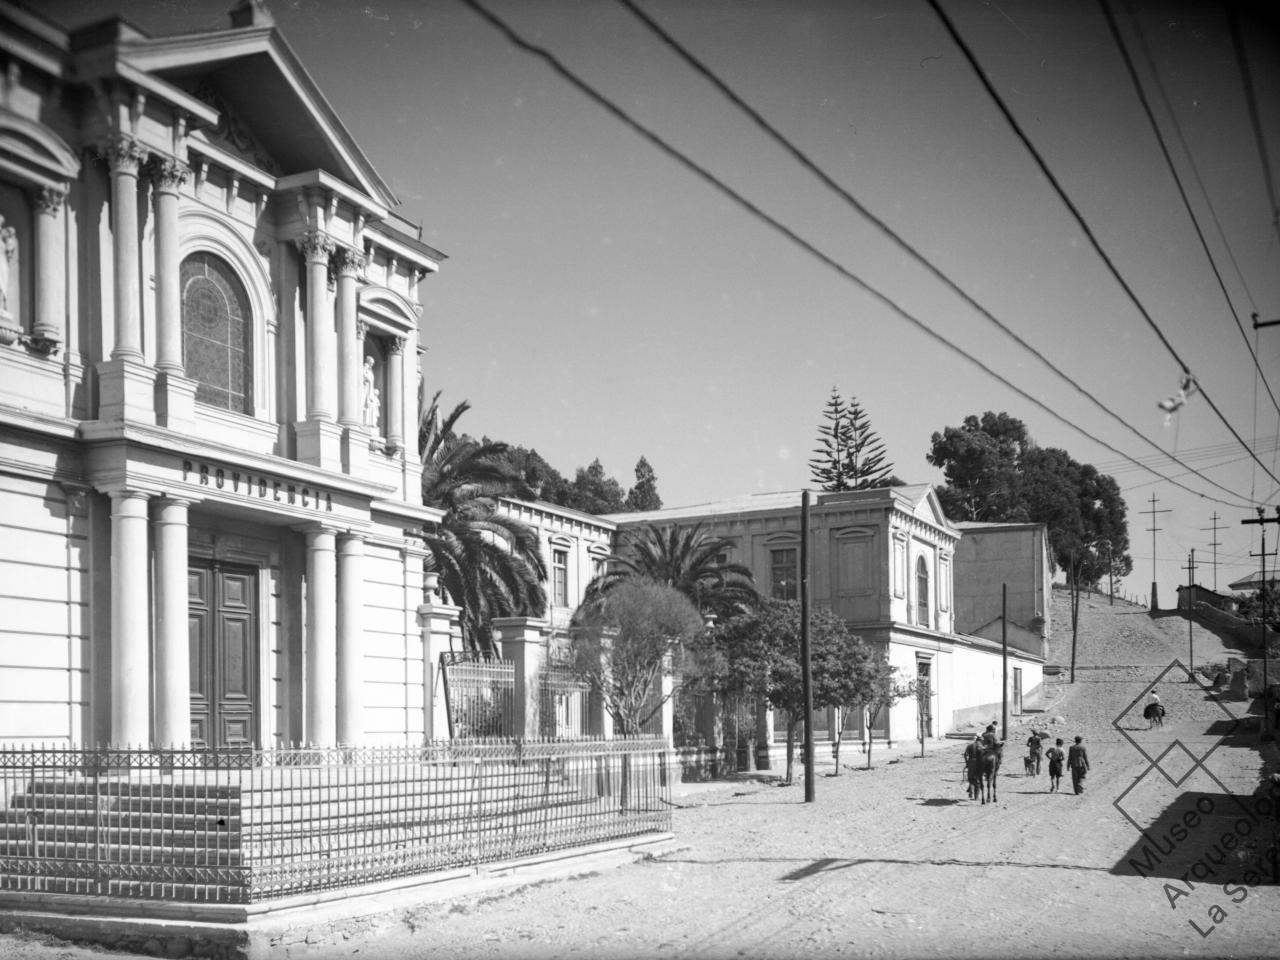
783 574
560 577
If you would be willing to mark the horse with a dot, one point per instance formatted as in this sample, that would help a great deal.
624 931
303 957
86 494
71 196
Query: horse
990 764
1153 713
973 773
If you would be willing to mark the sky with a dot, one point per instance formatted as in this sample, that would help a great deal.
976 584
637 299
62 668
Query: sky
601 301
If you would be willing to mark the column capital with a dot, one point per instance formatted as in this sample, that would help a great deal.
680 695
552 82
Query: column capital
167 174
348 262
124 153
316 247
362 329
49 200
396 345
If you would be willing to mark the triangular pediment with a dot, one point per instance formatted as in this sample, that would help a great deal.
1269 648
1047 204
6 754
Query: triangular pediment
271 113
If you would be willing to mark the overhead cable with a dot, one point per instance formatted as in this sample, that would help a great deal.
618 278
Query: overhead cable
828 181
584 87
1164 149
1082 223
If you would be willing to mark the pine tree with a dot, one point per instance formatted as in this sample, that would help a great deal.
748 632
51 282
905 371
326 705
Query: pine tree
644 495
866 463
829 468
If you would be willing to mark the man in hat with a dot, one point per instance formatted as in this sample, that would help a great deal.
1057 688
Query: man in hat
1078 762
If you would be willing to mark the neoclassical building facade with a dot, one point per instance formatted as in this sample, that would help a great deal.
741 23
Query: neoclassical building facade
885 561
209 363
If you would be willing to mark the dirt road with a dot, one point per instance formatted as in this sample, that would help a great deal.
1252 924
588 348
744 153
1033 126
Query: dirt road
895 862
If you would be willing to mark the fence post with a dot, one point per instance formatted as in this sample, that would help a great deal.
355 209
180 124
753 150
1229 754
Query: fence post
441 625
523 644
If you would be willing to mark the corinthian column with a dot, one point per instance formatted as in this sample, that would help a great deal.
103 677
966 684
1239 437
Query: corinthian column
167 176
316 249
395 394
349 263
125 155
51 269
321 656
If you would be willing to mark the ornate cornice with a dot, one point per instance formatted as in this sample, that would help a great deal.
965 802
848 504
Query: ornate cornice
124 153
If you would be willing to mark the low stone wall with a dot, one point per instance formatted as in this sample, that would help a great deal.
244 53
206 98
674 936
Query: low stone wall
1243 632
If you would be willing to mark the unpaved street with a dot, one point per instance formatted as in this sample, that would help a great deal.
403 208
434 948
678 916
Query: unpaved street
896 862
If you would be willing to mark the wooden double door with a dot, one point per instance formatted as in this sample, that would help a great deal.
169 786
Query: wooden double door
222 604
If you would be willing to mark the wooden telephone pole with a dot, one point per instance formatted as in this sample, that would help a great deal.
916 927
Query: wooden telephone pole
1191 638
1262 521
1153 529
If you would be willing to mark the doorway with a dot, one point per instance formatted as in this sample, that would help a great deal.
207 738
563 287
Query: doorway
223 630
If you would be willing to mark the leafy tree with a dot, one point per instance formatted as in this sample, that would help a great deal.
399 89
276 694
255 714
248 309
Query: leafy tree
980 462
688 560
644 495
594 492
538 479
759 656
490 565
850 455
622 645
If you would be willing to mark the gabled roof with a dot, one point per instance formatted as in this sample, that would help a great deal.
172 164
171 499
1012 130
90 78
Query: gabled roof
260 78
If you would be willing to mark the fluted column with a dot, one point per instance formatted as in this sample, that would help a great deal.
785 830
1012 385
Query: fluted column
350 638
51 269
395 394
167 177
173 648
125 155
316 248
130 673
320 657
349 263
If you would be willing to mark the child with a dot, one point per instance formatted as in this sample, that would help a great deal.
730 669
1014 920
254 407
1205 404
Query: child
1055 757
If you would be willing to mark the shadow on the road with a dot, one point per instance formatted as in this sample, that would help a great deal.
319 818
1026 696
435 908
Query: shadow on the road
936 801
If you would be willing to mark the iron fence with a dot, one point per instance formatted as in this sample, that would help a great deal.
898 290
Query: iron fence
564 706
479 695
243 826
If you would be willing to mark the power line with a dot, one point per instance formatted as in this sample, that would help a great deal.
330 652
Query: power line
689 164
1164 149
1080 220
1251 101
828 181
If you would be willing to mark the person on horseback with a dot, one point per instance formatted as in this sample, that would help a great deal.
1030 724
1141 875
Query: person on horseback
989 738
1154 711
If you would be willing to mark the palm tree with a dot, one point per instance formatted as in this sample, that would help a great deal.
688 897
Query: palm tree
489 564
689 560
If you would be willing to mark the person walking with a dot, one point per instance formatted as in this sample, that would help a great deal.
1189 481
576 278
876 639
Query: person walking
1078 761
1033 744
972 764
1055 757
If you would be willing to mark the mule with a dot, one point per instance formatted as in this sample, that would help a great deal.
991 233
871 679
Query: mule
1153 713
973 773
991 757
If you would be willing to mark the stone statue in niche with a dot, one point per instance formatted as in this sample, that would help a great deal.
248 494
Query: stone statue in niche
9 329
370 399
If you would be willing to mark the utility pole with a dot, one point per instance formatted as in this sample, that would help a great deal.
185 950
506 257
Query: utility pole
1111 578
1215 544
1262 521
806 664
1153 529
1004 662
1191 640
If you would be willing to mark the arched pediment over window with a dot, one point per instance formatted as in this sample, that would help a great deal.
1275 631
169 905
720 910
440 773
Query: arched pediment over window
388 310
33 153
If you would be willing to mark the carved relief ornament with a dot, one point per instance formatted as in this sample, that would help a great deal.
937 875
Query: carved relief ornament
49 200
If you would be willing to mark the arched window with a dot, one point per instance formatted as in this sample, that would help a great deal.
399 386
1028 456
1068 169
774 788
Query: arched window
217 333
922 592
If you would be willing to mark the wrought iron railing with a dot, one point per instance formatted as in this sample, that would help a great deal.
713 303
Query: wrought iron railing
243 826
564 707
479 696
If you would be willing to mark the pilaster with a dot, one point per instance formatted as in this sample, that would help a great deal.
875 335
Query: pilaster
441 626
320 661
524 645
172 647
48 331
130 621
350 638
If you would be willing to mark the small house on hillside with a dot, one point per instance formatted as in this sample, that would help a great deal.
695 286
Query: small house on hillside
1014 556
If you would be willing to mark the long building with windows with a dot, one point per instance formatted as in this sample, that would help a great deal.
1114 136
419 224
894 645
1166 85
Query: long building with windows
209 362
886 561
